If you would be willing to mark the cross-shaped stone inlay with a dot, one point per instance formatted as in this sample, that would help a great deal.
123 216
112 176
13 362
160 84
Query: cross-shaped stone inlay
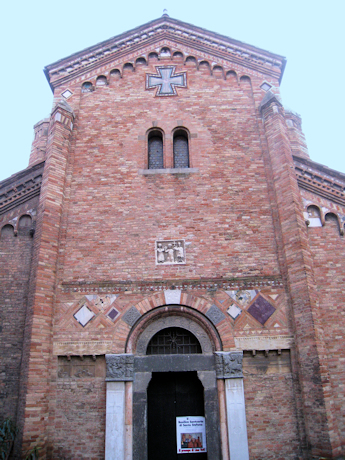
166 81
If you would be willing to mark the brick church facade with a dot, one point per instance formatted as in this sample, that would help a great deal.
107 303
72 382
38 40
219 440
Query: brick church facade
172 251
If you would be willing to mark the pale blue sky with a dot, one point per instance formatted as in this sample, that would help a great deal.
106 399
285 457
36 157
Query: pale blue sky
310 34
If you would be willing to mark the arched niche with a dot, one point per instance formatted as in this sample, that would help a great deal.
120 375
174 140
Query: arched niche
231 76
165 52
332 219
314 216
191 61
246 83
204 67
218 72
115 74
153 57
101 81
141 61
25 221
178 56
128 68
7 231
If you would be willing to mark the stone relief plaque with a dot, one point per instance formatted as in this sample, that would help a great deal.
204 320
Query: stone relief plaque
229 364
120 368
171 252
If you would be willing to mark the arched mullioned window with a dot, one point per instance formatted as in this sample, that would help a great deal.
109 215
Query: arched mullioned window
181 150
155 149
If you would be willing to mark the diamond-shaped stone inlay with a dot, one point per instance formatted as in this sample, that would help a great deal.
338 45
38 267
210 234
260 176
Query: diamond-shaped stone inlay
215 315
112 314
66 94
261 310
84 315
234 311
265 86
131 316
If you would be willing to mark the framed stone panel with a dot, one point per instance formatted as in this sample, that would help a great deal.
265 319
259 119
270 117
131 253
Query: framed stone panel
170 252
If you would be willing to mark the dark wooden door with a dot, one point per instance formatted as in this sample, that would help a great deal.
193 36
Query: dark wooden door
170 395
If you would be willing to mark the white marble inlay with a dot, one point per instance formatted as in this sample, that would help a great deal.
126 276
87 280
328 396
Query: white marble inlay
236 416
91 297
115 421
66 94
84 315
234 311
242 297
172 296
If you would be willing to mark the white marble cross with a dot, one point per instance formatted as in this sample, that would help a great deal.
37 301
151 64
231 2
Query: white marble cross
166 81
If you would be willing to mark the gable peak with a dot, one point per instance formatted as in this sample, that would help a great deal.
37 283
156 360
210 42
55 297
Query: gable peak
165 28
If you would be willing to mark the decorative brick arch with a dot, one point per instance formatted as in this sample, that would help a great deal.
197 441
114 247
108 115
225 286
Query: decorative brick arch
173 316
220 334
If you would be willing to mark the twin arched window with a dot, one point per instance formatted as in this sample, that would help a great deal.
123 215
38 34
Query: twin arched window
156 151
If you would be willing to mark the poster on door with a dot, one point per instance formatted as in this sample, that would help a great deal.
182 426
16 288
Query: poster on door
190 434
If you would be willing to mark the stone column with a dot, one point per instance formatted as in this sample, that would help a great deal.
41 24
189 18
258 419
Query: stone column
229 368
119 371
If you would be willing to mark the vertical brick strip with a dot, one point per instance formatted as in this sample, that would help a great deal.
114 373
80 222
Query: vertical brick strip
312 363
38 335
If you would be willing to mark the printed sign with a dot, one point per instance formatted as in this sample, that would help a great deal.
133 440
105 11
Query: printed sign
190 434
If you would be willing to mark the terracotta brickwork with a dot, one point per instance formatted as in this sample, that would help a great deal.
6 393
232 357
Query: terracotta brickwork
80 388
271 407
259 264
327 248
15 254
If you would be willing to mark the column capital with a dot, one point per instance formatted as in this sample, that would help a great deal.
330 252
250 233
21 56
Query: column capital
229 364
120 368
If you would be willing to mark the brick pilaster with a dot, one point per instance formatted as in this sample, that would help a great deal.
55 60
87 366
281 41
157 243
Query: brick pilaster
310 351
38 335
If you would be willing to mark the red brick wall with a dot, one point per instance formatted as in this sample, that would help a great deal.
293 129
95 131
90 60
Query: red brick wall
221 211
271 411
240 215
15 264
328 251
79 422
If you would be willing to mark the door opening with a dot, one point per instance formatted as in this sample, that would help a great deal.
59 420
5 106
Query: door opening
171 395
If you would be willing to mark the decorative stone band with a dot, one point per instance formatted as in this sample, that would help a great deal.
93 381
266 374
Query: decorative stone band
120 368
149 286
229 364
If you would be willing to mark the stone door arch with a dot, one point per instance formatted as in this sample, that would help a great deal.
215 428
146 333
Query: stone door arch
203 363
129 374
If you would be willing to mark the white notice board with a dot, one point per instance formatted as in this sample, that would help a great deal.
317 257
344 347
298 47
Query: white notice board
190 434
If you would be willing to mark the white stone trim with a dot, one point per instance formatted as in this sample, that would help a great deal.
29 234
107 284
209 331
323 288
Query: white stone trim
115 421
236 417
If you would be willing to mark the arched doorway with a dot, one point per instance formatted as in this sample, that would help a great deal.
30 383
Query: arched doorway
174 398
174 372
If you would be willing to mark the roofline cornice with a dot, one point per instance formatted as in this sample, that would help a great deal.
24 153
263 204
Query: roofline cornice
320 179
161 28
